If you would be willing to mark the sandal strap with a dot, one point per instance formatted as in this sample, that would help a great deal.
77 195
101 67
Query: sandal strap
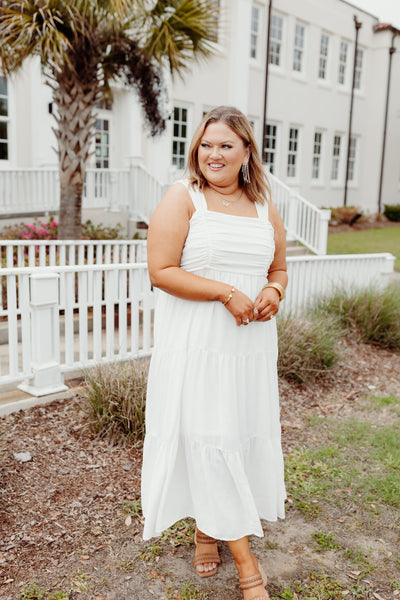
206 558
202 538
246 583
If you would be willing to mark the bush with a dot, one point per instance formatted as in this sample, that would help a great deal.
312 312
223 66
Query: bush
392 212
371 315
307 347
114 401
41 230
344 214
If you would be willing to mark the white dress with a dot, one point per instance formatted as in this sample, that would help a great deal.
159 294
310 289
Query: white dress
213 442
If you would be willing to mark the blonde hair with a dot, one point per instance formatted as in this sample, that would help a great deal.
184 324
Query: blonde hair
258 190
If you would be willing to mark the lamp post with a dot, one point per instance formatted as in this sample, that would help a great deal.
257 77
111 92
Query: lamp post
392 50
358 26
264 128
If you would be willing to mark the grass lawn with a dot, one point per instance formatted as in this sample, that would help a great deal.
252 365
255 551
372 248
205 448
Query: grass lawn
370 240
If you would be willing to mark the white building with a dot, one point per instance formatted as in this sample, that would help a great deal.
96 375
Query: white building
310 75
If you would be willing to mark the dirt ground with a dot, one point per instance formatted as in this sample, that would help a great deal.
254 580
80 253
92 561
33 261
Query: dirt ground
69 520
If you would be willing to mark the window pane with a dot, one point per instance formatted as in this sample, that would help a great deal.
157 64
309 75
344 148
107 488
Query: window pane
3 86
3 107
3 131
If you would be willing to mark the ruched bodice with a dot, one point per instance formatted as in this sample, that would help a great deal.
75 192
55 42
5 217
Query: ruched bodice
226 242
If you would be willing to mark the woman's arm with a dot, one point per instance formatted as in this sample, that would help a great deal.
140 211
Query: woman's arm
267 302
168 230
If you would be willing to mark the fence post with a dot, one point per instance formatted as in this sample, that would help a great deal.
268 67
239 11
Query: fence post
324 218
46 375
292 217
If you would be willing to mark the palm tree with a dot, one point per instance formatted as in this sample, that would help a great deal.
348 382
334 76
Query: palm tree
85 45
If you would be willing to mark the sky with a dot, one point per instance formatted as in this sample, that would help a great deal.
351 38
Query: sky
388 11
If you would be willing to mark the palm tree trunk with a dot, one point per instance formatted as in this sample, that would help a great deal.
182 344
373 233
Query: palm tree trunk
75 102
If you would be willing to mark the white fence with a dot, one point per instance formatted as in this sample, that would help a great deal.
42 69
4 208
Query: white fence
136 191
63 318
105 316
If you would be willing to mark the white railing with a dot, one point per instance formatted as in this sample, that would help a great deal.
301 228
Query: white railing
106 316
64 318
313 276
303 221
38 190
138 192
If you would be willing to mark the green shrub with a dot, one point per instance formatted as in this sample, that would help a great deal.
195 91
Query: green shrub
392 212
371 315
343 214
114 401
307 347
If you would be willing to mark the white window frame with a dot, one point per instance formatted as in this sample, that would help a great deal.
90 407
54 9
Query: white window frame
6 120
102 142
292 164
343 62
299 47
179 158
360 65
337 158
255 28
317 156
353 160
323 57
270 150
276 40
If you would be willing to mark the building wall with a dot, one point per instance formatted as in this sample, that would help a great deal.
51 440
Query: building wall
296 101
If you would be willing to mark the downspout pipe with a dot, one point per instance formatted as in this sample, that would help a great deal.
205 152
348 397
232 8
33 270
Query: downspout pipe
358 26
264 128
392 50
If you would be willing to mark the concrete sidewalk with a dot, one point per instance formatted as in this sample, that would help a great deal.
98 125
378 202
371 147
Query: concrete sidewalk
16 400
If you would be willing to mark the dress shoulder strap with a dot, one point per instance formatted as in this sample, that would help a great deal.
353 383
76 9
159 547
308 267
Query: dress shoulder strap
262 210
195 194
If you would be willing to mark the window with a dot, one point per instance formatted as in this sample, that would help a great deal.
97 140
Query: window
179 138
292 152
358 73
352 159
102 144
298 47
323 56
3 119
317 155
336 157
342 62
255 26
275 43
270 149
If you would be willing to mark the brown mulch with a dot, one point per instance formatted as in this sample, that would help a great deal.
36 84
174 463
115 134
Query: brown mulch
64 507
362 225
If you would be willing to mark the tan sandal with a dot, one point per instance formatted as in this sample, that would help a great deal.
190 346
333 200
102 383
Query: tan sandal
202 538
260 578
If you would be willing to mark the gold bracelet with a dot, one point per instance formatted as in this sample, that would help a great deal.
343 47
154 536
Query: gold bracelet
278 287
229 297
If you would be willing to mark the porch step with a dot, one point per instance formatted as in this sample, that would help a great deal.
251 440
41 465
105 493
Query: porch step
293 248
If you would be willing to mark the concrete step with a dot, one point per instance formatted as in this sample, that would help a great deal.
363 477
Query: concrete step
294 248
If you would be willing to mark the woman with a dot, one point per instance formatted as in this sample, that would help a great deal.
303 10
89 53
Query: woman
216 250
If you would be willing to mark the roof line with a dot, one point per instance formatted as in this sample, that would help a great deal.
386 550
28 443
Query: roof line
361 9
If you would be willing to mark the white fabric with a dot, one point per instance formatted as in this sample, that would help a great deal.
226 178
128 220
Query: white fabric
212 449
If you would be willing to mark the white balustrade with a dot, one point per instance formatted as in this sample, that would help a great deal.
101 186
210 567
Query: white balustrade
106 312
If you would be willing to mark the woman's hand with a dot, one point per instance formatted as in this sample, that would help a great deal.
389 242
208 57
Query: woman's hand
267 304
241 307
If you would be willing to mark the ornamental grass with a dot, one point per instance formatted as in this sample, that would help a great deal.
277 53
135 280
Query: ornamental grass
114 401
369 315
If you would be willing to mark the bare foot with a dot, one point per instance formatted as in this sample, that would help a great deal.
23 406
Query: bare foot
251 590
207 547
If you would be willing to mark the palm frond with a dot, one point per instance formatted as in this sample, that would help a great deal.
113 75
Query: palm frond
181 30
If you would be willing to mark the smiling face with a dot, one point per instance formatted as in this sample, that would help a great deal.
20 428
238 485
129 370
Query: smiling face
221 154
